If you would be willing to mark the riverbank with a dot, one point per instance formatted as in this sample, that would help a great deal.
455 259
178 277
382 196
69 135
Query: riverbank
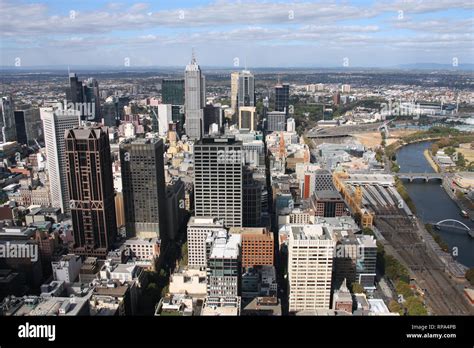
435 202
430 160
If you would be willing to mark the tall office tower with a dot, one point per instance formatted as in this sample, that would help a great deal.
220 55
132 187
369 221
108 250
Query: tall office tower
336 99
224 266
276 121
194 99
143 187
282 97
172 92
85 96
91 188
28 124
175 209
56 120
355 260
7 120
20 126
251 200
92 96
234 90
248 118
199 229
218 179
164 113
310 266
75 92
246 92
212 114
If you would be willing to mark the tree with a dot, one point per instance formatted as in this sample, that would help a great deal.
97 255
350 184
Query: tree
357 288
461 162
394 307
470 275
368 231
184 255
415 306
434 149
404 289
449 151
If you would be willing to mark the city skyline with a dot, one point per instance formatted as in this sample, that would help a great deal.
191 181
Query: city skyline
246 33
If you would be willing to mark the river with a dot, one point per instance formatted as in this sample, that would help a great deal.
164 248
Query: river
433 203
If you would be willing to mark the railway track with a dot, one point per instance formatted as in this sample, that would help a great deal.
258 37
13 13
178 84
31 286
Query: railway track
442 296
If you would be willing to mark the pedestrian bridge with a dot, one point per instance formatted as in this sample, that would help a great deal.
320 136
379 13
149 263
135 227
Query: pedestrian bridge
420 176
455 224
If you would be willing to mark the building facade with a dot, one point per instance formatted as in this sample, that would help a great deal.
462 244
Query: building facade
218 179
310 266
143 188
90 183
56 121
194 98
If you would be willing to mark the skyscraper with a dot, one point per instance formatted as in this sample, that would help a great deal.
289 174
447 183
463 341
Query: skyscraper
246 92
56 121
92 96
218 179
20 126
172 92
85 97
282 97
234 90
194 99
212 114
91 188
7 120
310 266
143 187
252 200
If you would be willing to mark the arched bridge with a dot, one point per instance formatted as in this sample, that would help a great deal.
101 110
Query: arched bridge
420 176
456 224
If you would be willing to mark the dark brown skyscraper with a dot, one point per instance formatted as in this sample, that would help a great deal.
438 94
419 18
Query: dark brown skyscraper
90 183
143 187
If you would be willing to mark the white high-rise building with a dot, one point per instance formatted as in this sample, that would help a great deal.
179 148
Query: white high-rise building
194 99
56 120
234 90
218 179
310 265
164 118
199 229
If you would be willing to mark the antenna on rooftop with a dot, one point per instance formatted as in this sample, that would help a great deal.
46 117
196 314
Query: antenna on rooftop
193 56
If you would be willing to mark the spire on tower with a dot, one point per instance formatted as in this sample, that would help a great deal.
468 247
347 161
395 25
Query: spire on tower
193 56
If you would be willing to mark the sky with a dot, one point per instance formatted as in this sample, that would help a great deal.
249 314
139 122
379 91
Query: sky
246 33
